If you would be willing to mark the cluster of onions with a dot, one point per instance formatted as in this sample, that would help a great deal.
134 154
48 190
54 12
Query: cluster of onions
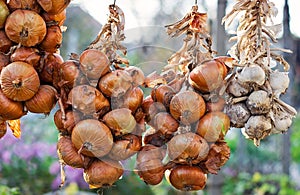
255 86
31 35
185 112
100 119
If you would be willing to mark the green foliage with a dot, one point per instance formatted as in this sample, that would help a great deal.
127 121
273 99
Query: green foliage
4 190
272 184
295 144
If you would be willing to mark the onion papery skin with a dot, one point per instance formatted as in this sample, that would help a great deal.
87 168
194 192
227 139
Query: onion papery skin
43 101
25 27
94 63
29 55
187 107
187 178
92 137
24 4
103 173
55 19
19 81
52 40
54 6
9 109
5 43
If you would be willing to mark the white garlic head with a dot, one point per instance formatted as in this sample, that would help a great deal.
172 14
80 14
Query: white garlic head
257 128
252 74
237 89
279 82
238 114
259 102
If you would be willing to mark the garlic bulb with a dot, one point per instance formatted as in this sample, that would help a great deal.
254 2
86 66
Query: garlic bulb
237 89
252 74
258 102
279 82
257 128
238 114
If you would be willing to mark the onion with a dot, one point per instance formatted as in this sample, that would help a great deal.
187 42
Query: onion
165 124
3 128
115 84
68 153
155 139
187 148
25 27
29 55
187 178
54 6
208 76
92 138
19 81
4 12
43 101
163 94
149 164
4 60
94 63
87 99
137 75
50 62
103 173
187 106
213 126
9 109
5 43
215 106
24 4
66 125
126 147
55 19
69 72
131 100
151 108
52 40
120 121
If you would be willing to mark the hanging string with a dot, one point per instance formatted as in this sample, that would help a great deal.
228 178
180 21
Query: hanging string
196 2
114 3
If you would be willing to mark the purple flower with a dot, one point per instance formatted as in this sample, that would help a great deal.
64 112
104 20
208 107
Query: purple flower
54 169
6 157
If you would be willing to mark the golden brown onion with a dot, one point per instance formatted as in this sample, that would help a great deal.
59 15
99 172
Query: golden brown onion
25 27
55 19
19 81
54 6
69 72
52 40
66 125
208 76
94 63
24 4
137 75
4 12
87 99
5 42
50 61
68 153
126 147
213 126
29 55
103 173
4 60
187 107
165 123
3 128
9 109
115 84
133 99
215 106
120 121
43 101
187 178
92 138
187 148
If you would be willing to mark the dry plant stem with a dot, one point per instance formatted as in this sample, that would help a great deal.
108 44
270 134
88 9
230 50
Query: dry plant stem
110 37
62 175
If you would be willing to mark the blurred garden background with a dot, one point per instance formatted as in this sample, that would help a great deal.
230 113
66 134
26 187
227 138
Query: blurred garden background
29 166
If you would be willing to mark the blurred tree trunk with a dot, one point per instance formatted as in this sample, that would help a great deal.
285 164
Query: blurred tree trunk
216 181
287 43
